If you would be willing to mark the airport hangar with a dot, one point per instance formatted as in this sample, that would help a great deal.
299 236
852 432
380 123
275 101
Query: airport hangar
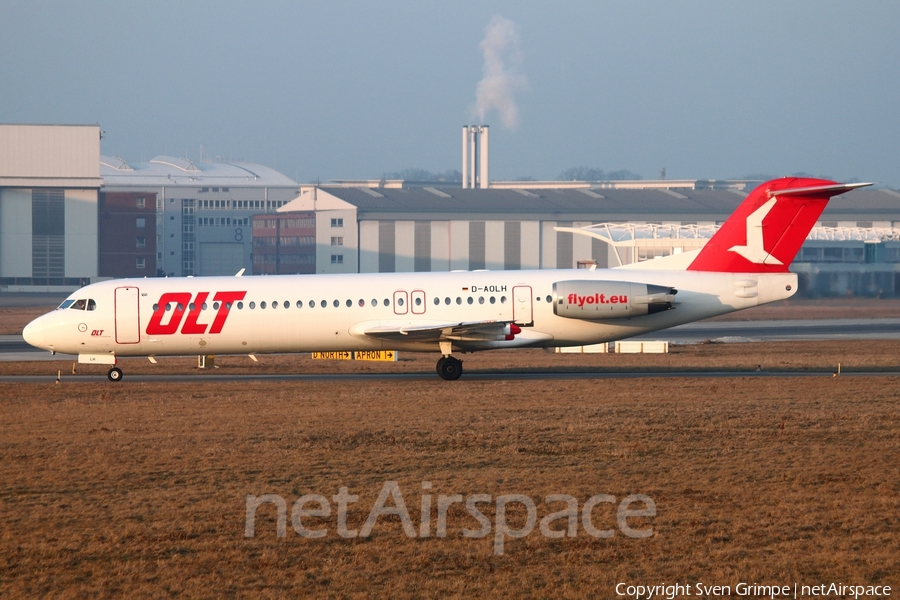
49 187
854 249
69 216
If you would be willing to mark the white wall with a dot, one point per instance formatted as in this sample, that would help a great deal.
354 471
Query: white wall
15 233
548 247
67 152
531 245
459 245
581 244
81 233
324 233
494 250
405 245
368 246
440 245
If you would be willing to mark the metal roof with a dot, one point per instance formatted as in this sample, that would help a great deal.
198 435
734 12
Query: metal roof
168 170
651 204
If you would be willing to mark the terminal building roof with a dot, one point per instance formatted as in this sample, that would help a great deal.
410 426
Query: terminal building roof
168 170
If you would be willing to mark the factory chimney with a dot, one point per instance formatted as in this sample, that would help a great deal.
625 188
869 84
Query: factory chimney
475 157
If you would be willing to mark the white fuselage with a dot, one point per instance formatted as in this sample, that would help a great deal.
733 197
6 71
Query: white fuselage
303 313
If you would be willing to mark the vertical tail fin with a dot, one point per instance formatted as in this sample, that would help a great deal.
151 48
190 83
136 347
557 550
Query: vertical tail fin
766 231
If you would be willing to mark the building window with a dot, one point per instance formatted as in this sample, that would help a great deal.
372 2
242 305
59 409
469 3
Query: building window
140 222
139 202
337 241
337 259
140 262
140 242
337 222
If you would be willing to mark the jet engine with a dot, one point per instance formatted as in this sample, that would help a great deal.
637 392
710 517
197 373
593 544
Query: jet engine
600 300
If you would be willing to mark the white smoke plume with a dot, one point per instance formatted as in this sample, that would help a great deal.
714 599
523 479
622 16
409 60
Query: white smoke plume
502 79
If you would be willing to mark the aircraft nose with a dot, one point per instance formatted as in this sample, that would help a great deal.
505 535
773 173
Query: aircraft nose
34 334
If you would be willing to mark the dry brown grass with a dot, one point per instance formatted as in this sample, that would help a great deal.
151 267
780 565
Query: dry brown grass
138 489
14 319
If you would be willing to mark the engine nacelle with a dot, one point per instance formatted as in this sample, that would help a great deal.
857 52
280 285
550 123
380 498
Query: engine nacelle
599 300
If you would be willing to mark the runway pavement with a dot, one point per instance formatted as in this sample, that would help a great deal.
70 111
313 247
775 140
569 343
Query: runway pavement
787 330
474 375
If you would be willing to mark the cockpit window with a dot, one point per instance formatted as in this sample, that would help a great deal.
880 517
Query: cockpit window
80 304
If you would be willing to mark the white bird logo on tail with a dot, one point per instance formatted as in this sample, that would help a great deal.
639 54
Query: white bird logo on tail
754 250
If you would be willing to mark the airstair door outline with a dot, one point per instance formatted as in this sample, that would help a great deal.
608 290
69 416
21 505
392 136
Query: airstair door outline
523 315
417 302
400 307
128 321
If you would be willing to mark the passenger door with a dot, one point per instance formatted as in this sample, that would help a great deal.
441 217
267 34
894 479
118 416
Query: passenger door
128 323
522 307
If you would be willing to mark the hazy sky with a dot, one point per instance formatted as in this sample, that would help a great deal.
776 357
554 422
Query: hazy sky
339 89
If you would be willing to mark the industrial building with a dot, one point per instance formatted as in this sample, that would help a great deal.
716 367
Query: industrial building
855 248
203 209
69 216
49 183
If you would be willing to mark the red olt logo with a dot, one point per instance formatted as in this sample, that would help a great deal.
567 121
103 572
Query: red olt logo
181 301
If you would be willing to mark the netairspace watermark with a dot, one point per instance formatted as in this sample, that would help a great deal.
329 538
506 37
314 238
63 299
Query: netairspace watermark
309 510
671 591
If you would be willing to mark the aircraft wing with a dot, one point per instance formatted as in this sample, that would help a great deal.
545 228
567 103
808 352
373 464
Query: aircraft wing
466 331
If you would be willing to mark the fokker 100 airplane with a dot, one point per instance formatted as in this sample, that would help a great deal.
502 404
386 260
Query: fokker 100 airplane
744 264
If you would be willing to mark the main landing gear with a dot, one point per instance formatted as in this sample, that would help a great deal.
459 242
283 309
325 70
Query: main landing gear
115 374
449 368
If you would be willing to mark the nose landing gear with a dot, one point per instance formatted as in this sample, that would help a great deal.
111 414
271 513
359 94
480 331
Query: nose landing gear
115 374
449 368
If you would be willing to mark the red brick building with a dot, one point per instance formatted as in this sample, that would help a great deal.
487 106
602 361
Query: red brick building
127 234
284 243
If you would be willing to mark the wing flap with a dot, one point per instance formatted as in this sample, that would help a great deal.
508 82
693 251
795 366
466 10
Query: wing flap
466 331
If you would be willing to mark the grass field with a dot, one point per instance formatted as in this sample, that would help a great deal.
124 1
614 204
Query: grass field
139 489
